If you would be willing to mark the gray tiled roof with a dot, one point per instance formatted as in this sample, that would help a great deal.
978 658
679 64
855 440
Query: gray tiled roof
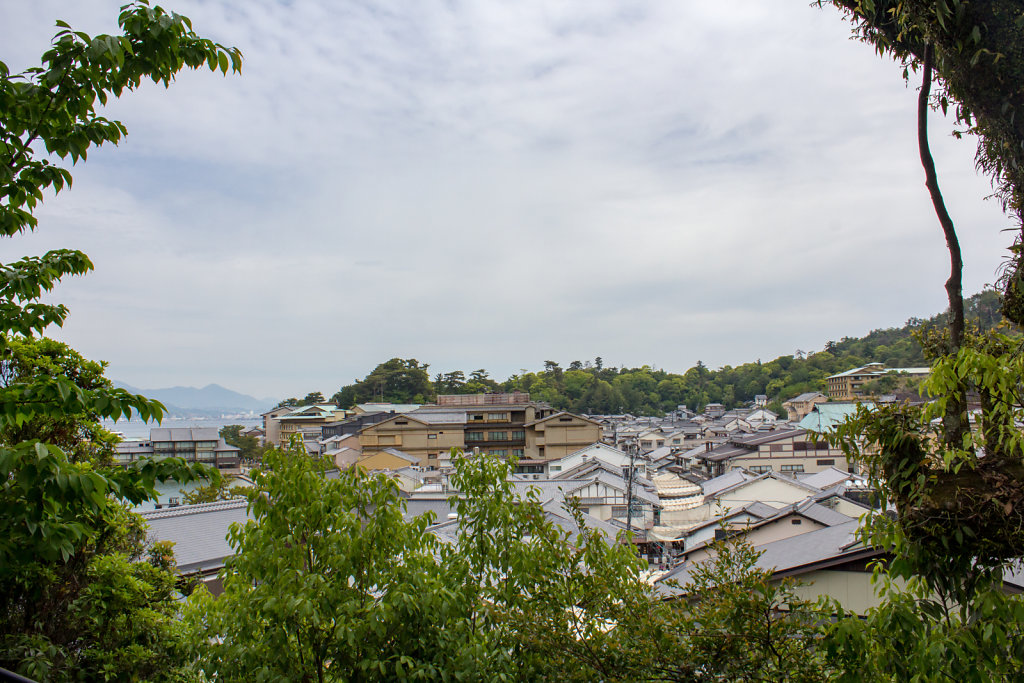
199 532
184 434
788 553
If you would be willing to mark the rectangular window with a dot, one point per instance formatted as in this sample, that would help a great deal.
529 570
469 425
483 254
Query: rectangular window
761 469
675 442
792 468
431 436
518 435
775 447
518 452
476 417
497 436
618 511
474 436
565 419
498 451
826 462
497 417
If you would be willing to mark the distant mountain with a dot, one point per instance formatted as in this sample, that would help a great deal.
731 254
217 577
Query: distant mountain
212 399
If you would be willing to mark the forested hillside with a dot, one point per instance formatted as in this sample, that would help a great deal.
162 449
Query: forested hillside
591 387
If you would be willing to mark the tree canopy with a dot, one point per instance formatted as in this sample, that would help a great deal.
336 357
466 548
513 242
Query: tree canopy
78 598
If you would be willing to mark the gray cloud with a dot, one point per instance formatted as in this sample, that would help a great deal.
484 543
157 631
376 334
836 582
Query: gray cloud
484 184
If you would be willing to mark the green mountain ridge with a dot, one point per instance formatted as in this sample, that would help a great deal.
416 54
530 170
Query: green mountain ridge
590 387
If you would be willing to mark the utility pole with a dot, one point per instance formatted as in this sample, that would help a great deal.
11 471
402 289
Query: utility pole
629 485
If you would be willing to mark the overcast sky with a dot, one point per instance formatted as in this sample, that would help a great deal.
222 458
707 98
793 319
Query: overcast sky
483 184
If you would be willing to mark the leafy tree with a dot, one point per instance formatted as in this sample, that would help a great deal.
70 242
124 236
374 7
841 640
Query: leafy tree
74 600
313 398
213 491
249 446
395 381
329 582
80 436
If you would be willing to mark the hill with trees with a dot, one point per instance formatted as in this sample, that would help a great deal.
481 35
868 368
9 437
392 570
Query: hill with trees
591 387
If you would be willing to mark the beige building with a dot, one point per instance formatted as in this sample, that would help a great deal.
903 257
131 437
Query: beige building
556 436
506 425
272 425
425 436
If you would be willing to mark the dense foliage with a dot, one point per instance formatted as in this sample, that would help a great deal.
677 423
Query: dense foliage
591 387
331 583
78 598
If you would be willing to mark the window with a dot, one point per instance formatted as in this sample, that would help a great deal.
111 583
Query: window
498 451
795 521
761 469
675 442
618 511
431 436
518 452
565 419
518 434
476 417
792 468
497 436
826 462
401 422
474 436
497 417
775 447
556 468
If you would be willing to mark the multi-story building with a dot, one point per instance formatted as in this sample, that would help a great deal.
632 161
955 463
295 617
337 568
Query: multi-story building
202 445
272 424
845 386
508 425
307 422
786 451
556 436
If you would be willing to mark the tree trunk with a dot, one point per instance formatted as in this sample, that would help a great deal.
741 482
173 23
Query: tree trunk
955 420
